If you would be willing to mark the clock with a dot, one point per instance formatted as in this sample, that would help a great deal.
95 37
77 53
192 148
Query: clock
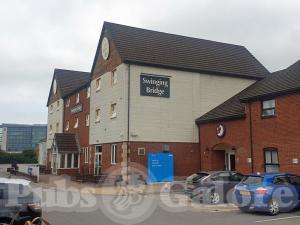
221 130
54 87
105 48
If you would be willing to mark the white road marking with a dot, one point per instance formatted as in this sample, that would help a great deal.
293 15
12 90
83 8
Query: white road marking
277 219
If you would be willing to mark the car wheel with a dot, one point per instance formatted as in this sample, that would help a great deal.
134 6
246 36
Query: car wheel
273 207
215 198
244 209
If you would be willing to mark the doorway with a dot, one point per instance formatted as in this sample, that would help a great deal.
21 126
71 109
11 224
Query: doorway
98 160
230 160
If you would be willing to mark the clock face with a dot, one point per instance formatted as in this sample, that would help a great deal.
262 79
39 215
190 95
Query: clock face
221 131
54 87
105 48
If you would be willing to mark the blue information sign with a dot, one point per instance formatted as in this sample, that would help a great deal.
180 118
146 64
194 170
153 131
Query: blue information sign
160 167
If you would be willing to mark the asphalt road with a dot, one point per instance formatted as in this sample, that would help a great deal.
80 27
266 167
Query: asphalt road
159 210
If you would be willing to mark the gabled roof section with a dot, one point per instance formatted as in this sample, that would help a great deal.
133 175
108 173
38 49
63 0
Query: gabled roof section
229 110
66 143
153 48
68 81
278 83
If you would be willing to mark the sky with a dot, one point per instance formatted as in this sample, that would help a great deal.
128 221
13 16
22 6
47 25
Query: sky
37 36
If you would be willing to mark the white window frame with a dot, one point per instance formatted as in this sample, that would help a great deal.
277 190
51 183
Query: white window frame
113 110
88 92
87 120
78 98
97 117
67 125
98 84
76 124
66 161
86 154
113 154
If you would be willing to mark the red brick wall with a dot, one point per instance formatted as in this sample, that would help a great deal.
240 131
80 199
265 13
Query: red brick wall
281 132
82 131
237 135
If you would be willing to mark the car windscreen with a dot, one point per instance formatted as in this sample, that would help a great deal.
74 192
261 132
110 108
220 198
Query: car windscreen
199 176
252 180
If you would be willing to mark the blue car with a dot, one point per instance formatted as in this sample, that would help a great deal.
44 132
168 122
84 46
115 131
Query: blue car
271 192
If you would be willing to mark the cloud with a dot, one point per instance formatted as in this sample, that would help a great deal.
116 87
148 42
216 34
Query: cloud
38 36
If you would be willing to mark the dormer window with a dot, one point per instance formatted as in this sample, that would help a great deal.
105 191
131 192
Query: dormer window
76 125
51 109
50 129
98 84
77 98
57 127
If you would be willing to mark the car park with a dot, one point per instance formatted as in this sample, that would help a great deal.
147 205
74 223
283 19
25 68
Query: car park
272 193
18 202
216 188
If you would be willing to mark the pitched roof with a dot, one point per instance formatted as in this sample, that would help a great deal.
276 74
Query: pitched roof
141 46
66 143
278 83
68 81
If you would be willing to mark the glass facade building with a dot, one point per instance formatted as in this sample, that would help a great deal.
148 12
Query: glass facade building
18 137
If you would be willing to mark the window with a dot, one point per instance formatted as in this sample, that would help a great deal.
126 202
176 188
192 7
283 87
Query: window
88 92
62 161
282 180
67 125
98 84
77 98
141 151
76 125
295 180
69 160
87 120
75 160
268 108
97 115
86 154
113 78
271 161
56 127
113 112
68 102
50 129
113 154
57 105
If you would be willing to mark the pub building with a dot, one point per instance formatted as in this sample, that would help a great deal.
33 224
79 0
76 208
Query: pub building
256 130
149 87
68 123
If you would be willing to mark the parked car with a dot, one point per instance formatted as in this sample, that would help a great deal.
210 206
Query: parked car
192 180
216 188
272 193
18 202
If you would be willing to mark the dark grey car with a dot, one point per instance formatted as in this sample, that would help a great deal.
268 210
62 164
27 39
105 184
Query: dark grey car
216 188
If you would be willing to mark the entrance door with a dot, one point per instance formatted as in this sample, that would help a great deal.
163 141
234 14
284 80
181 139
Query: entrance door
230 161
98 160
